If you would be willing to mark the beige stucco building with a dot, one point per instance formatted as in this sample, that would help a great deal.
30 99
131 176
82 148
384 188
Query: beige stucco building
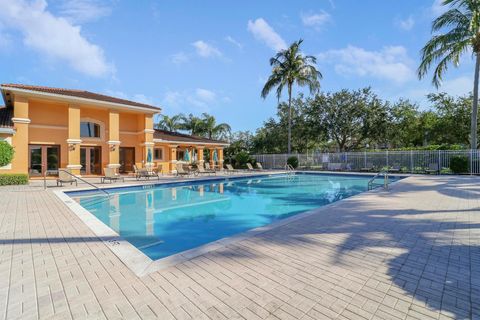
53 128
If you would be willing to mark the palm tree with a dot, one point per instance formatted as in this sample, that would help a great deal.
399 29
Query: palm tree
192 124
170 123
290 66
463 22
214 130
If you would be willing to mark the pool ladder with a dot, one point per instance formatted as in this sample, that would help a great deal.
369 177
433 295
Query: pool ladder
385 180
290 170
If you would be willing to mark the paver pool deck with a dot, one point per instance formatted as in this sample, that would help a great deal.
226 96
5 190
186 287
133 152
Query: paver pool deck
412 252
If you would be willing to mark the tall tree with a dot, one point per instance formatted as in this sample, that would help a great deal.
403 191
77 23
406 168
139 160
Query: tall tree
290 66
170 123
192 124
214 130
462 22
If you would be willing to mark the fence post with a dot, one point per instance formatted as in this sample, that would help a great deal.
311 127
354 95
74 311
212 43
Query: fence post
386 154
364 159
439 164
471 161
411 161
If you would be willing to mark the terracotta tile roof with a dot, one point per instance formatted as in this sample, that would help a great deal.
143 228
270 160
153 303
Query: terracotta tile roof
180 137
6 115
79 94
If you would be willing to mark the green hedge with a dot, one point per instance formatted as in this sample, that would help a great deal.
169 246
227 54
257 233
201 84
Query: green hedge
13 178
6 153
459 164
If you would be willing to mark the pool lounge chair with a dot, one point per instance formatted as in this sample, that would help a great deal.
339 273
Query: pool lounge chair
202 170
146 173
250 167
369 167
65 177
229 169
332 166
259 166
181 171
433 168
207 166
111 175
395 168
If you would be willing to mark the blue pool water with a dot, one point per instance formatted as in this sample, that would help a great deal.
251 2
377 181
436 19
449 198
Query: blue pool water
164 220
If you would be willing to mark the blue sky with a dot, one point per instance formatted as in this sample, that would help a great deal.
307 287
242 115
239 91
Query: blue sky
212 56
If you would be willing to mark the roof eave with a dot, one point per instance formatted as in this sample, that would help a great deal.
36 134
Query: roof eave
200 143
68 98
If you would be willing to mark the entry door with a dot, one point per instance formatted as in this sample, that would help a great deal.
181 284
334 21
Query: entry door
42 158
91 160
127 159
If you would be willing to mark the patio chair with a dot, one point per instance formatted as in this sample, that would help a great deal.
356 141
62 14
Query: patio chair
65 177
230 169
259 166
201 170
207 166
395 168
146 173
433 168
181 171
250 167
111 175
332 166
369 167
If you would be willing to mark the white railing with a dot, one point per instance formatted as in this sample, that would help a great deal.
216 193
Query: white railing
415 161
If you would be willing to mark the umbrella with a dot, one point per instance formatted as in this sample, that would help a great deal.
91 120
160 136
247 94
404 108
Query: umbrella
194 155
215 158
149 155
186 155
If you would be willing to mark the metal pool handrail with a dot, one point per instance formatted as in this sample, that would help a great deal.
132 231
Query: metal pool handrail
385 180
76 177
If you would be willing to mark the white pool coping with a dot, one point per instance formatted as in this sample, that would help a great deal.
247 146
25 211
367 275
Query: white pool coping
142 265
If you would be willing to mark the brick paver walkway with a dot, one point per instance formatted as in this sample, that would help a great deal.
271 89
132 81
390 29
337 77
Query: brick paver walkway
412 252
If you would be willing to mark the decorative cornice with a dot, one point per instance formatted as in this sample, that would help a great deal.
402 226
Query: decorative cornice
113 165
148 131
21 120
113 142
190 143
148 144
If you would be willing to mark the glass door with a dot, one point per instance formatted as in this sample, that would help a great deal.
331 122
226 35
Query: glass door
35 168
43 158
91 160
127 159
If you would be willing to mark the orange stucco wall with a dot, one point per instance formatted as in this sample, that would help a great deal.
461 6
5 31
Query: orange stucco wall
49 122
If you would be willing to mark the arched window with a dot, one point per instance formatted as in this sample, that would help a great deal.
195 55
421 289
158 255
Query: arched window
89 130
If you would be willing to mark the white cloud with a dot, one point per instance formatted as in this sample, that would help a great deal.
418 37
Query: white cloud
234 42
54 36
205 95
316 20
80 11
179 58
262 31
405 24
198 100
391 63
206 50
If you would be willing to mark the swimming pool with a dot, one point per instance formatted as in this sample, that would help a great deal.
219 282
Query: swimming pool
162 220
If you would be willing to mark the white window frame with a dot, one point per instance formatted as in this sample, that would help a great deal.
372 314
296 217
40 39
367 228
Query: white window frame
102 130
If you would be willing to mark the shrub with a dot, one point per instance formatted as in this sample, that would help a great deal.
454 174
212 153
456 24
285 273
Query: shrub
242 158
7 179
6 153
293 161
459 164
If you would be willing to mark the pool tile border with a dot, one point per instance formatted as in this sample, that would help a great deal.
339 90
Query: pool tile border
141 265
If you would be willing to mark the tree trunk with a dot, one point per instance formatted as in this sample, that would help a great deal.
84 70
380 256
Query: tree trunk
289 118
473 133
